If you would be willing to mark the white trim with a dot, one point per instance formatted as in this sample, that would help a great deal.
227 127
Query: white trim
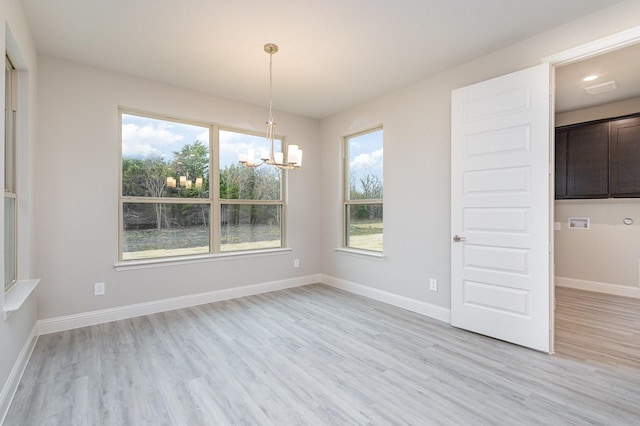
11 385
615 289
595 48
18 294
360 253
413 305
127 265
69 322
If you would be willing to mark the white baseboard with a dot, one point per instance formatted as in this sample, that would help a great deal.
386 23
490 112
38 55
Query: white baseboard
423 308
69 322
11 385
615 289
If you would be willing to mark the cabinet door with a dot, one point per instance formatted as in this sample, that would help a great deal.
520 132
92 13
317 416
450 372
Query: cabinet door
561 163
625 157
588 161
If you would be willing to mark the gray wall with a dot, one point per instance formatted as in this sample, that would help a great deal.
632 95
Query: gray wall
15 331
609 252
615 109
416 162
75 233
77 168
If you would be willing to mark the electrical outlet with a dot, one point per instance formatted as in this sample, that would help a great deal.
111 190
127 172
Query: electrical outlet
98 289
296 263
433 284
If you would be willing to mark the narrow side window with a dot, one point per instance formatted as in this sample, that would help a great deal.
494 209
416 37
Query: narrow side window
363 191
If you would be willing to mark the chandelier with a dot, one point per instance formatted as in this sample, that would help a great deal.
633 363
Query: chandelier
184 182
293 160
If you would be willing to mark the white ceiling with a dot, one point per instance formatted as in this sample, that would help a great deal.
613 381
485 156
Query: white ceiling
334 54
621 66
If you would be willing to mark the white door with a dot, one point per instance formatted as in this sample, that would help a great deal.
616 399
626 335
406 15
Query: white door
500 208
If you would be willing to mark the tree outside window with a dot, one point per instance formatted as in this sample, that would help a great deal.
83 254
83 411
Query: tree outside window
251 198
363 205
167 202
165 188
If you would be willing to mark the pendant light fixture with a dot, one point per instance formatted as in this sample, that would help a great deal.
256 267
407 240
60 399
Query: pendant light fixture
293 159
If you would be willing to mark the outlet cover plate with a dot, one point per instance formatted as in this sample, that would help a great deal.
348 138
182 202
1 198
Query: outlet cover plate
433 284
98 289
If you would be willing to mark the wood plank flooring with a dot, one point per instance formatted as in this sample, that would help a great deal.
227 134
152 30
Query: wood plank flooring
309 355
597 328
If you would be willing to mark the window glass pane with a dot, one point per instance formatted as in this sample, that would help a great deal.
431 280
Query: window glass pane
9 130
162 158
250 226
10 252
364 226
365 166
246 183
9 242
164 229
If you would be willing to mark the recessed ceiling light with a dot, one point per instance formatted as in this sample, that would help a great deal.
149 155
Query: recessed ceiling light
590 77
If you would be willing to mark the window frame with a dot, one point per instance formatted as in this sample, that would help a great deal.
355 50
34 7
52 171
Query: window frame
10 168
240 201
347 201
213 201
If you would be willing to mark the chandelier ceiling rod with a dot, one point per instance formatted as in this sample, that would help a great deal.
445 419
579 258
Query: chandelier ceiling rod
293 159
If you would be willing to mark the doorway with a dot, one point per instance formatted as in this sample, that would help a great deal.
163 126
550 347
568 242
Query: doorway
605 256
506 97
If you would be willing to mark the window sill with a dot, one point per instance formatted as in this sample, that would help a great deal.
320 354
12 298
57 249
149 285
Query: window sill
127 265
18 294
360 253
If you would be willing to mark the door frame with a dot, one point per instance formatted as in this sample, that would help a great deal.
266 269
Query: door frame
596 47
578 53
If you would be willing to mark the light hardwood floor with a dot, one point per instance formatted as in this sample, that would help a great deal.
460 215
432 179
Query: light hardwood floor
597 328
309 355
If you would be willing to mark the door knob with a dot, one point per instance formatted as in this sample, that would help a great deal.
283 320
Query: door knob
457 238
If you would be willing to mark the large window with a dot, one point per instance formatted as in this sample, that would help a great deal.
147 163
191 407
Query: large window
363 191
251 204
183 191
10 197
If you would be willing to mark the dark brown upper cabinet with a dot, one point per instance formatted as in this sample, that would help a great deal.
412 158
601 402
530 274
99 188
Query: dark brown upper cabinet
585 160
599 159
624 149
561 163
